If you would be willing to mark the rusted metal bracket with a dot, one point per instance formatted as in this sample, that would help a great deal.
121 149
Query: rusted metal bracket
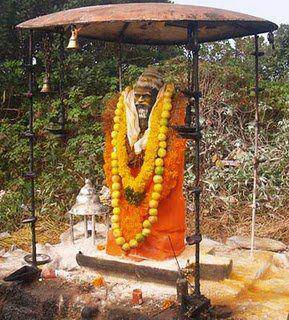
30 175
28 134
258 53
196 238
29 66
59 133
188 132
29 220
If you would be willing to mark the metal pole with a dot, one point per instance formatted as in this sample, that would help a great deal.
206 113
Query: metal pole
257 54
195 303
31 175
188 118
197 190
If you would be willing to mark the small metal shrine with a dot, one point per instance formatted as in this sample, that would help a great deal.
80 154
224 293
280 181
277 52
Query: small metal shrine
151 24
87 204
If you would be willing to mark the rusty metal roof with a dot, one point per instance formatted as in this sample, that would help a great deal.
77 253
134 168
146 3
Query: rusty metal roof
152 23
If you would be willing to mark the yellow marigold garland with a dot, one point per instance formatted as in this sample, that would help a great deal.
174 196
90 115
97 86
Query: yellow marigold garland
131 216
153 161
157 133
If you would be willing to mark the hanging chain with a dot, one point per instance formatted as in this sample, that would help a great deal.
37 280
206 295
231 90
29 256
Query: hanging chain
61 79
47 46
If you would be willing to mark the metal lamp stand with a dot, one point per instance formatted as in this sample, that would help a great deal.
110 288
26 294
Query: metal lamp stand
31 174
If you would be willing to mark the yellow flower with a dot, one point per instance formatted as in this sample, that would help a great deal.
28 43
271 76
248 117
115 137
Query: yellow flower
139 182
133 243
120 241
153 212
152 165
153 219
126 247
146 232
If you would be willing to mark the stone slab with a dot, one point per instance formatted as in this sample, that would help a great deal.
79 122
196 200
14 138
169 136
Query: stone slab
265 244
211 267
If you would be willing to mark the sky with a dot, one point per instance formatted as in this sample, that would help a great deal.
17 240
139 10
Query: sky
276 11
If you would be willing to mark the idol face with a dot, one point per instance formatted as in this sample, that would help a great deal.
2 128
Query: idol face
144 102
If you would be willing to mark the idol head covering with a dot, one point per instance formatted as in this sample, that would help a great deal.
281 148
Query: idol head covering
150 79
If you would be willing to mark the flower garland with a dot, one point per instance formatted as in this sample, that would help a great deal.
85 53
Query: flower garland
158 129
153 162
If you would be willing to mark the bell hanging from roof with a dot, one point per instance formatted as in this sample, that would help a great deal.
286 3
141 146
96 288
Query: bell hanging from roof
46 88
73 41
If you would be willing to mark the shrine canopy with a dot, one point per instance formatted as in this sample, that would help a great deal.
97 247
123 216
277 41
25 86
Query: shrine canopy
151 23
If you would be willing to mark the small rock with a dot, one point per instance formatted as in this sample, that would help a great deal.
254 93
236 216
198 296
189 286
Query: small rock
48 273
265 244
5 234
280 260
14 254
2 193
89 312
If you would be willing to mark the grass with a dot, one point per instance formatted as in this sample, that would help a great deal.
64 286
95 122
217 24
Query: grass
47 231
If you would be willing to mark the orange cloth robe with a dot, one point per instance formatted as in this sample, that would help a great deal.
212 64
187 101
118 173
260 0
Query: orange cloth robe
171 209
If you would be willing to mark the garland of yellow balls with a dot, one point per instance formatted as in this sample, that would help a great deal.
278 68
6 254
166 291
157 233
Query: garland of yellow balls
153 162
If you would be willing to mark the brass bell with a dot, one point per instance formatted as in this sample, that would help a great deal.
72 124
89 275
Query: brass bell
46 85
73 41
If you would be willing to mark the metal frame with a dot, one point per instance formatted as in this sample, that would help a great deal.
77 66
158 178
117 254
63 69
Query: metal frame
191 130
31 174
197 191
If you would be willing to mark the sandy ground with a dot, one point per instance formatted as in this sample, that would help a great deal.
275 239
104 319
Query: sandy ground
256 289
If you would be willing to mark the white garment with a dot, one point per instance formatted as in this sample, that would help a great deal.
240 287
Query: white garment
132 121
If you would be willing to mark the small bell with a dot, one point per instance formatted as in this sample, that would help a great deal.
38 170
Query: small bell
46 85
73 41
271 39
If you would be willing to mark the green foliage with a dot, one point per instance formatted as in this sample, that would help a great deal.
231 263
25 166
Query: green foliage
227 78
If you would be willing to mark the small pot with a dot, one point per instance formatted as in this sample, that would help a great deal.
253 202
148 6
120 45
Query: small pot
137 296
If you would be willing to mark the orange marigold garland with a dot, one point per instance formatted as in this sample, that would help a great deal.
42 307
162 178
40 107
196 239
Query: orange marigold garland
132 224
